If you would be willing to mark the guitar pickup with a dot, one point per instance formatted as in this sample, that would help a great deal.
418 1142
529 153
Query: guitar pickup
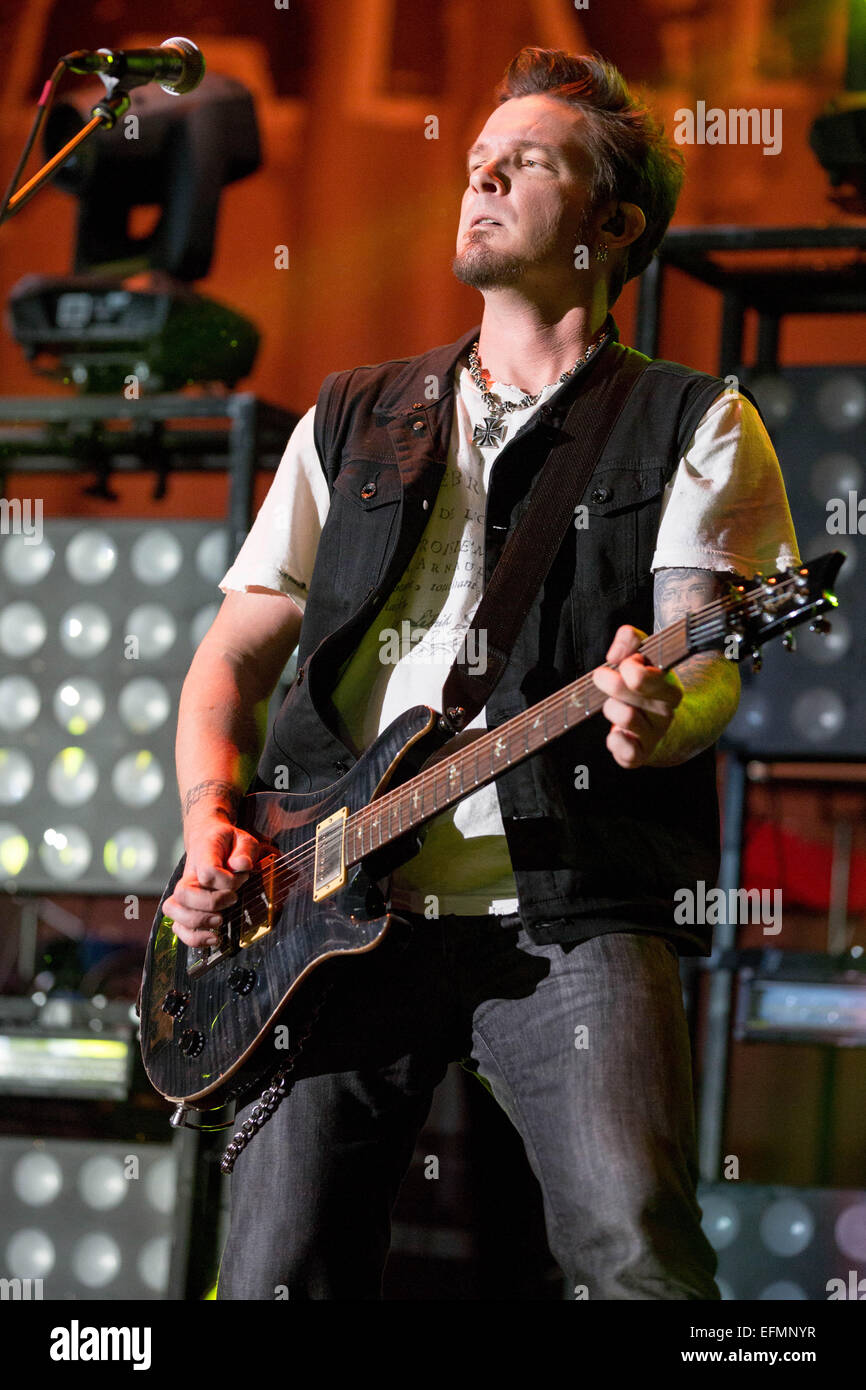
330 867
201 959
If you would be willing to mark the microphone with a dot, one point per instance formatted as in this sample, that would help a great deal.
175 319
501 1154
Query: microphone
177 65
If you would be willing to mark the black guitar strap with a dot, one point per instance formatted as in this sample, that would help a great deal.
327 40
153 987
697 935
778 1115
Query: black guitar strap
532 546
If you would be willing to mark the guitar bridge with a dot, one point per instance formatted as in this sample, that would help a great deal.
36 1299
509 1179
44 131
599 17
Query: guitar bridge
330 869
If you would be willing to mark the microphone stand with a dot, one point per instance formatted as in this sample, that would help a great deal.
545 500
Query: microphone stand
105 113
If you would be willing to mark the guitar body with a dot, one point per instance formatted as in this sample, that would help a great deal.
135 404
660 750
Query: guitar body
206 1015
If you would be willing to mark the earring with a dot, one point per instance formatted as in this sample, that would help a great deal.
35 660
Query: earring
601 251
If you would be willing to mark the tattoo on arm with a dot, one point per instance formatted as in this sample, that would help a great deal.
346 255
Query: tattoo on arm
710 682
216 791
680 591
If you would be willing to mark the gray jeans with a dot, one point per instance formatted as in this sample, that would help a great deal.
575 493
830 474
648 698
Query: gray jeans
584 1046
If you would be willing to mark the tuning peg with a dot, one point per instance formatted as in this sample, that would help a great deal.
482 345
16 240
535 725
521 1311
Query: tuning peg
757 660
789 642
821 625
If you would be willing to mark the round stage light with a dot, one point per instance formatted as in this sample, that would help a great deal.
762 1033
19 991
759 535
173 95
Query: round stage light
201 622
30 1254
154 629
156 557
14 850
37 1178
131 854
91 556
138 779
153 1261
841 401
65 852
212 555
22 629
20 702
79 704
26 561
160 1185
72 777
753 715
818 714
851 1232
96 1260
84 630
101 1182
787 1226
720 1220
144 704
16 776
834 475
783 1291
774 395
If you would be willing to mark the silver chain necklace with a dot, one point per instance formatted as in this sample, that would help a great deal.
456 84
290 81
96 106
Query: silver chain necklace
491 434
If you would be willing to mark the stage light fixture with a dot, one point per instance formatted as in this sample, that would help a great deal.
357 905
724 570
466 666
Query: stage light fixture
785 1243
84 1220
812 703
99 326
91 665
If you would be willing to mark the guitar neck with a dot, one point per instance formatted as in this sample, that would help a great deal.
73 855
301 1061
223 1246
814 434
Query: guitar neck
473 766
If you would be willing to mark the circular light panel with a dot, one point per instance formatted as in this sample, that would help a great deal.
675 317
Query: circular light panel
65 852
91 556
156 556
144 704
22 629
25 560
153 628
138 779
131 854
37 1178
20 702
85 630
16 776
212 555
79 704
72 777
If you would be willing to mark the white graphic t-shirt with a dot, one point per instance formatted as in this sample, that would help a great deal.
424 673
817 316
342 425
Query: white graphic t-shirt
724 509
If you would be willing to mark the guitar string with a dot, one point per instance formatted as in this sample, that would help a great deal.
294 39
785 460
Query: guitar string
287 868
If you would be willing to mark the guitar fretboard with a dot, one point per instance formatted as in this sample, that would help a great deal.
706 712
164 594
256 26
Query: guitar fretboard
479 762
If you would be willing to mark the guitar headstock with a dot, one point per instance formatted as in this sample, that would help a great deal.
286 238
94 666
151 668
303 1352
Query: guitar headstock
759 609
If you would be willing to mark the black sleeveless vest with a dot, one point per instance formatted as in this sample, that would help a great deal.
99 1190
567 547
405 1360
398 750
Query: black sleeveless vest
606 856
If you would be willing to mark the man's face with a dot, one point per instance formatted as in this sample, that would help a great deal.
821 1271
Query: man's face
530 176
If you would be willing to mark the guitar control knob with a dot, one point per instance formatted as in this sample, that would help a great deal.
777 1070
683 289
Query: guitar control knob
241 979
821 625
174 1003
789 642
191 1042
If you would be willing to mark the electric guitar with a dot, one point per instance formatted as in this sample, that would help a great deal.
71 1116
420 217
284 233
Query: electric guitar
319 891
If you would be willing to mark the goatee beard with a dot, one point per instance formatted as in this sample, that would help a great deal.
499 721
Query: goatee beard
485 269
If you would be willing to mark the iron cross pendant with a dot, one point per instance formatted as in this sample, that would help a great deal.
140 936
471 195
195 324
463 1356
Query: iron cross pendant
489 435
